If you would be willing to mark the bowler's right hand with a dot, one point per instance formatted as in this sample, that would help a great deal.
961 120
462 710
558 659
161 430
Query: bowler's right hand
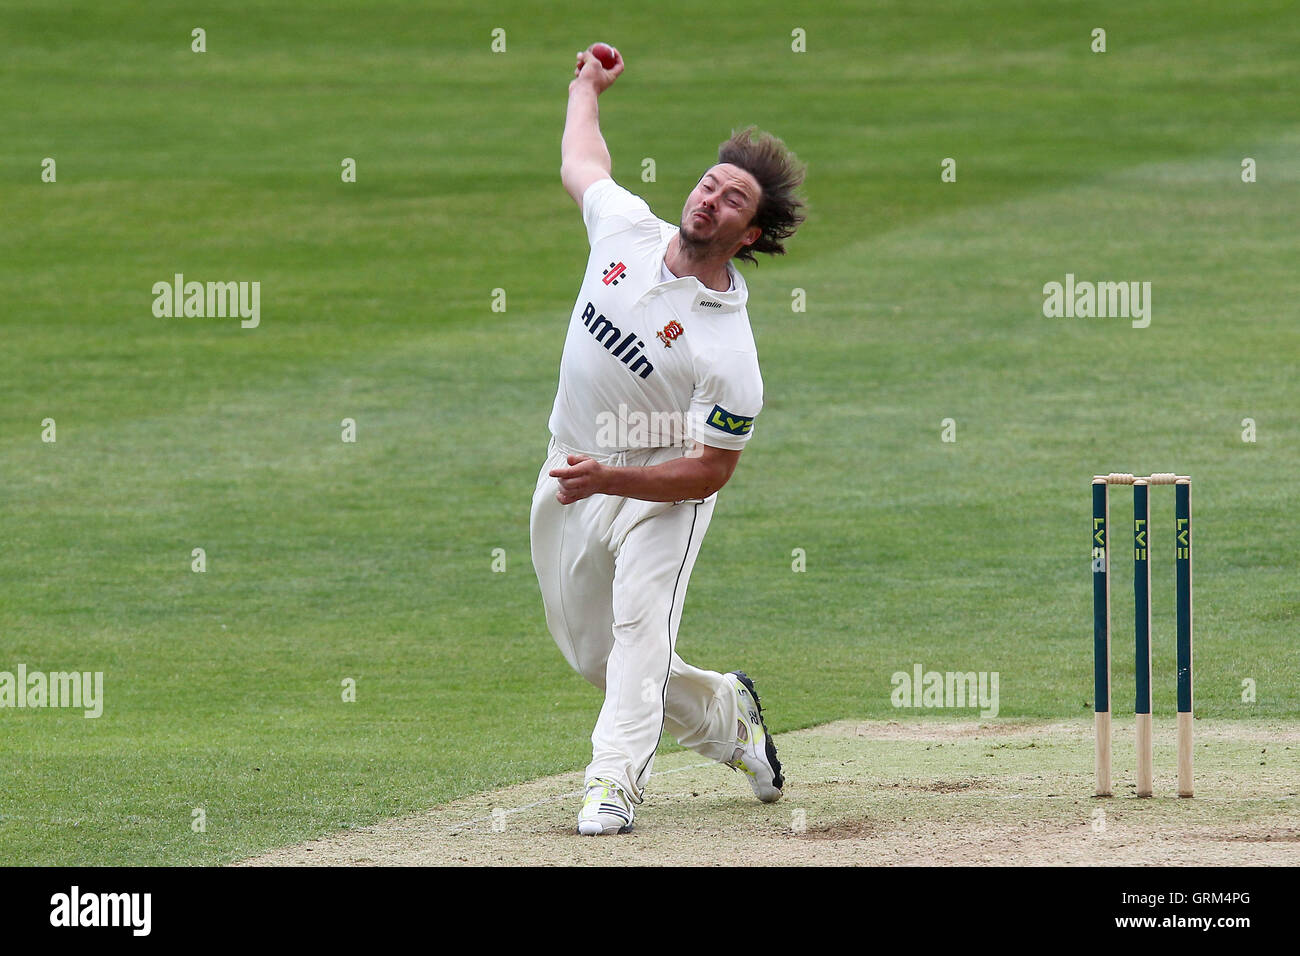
587 69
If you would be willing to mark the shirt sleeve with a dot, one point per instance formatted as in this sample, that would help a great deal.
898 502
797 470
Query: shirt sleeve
727 399
608 208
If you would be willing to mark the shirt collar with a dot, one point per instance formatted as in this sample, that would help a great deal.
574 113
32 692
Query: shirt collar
702 297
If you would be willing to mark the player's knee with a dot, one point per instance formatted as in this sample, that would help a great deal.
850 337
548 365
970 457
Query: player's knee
593 669
590 664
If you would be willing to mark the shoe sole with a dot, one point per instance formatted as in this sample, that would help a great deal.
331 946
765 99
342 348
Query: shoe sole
623 829
778 780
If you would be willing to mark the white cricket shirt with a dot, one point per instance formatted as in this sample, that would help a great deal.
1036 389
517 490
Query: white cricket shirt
650 361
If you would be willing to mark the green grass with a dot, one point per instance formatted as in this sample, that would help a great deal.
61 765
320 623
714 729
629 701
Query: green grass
373 560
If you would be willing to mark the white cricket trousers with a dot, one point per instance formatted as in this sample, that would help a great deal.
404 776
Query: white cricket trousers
613 573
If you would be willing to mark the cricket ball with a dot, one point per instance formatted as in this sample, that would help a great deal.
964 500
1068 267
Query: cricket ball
605 54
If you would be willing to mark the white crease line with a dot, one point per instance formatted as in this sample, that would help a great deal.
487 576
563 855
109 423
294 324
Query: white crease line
901 793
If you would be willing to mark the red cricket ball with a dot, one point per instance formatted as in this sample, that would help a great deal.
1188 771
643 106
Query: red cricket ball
605 54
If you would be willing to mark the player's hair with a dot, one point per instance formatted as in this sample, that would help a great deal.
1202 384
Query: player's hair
779 173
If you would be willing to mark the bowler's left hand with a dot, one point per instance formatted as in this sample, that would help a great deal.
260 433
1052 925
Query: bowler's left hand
583 478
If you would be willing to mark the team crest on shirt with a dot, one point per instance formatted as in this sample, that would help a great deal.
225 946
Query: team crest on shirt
670 332
615 272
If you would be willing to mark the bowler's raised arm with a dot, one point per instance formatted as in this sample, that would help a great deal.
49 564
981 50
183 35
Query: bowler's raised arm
584 158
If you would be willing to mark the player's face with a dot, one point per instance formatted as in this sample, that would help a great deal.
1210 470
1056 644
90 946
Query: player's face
719 210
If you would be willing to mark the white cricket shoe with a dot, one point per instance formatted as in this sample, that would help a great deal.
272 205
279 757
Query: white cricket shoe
605 809
755 750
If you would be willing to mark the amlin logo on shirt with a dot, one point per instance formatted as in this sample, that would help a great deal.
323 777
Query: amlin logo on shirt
611 337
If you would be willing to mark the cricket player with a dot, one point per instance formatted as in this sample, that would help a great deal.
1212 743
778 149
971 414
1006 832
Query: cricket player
659 389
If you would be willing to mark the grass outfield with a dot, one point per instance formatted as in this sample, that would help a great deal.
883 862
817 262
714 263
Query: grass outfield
373 560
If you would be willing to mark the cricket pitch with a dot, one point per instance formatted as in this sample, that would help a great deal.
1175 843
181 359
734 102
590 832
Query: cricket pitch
897 793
